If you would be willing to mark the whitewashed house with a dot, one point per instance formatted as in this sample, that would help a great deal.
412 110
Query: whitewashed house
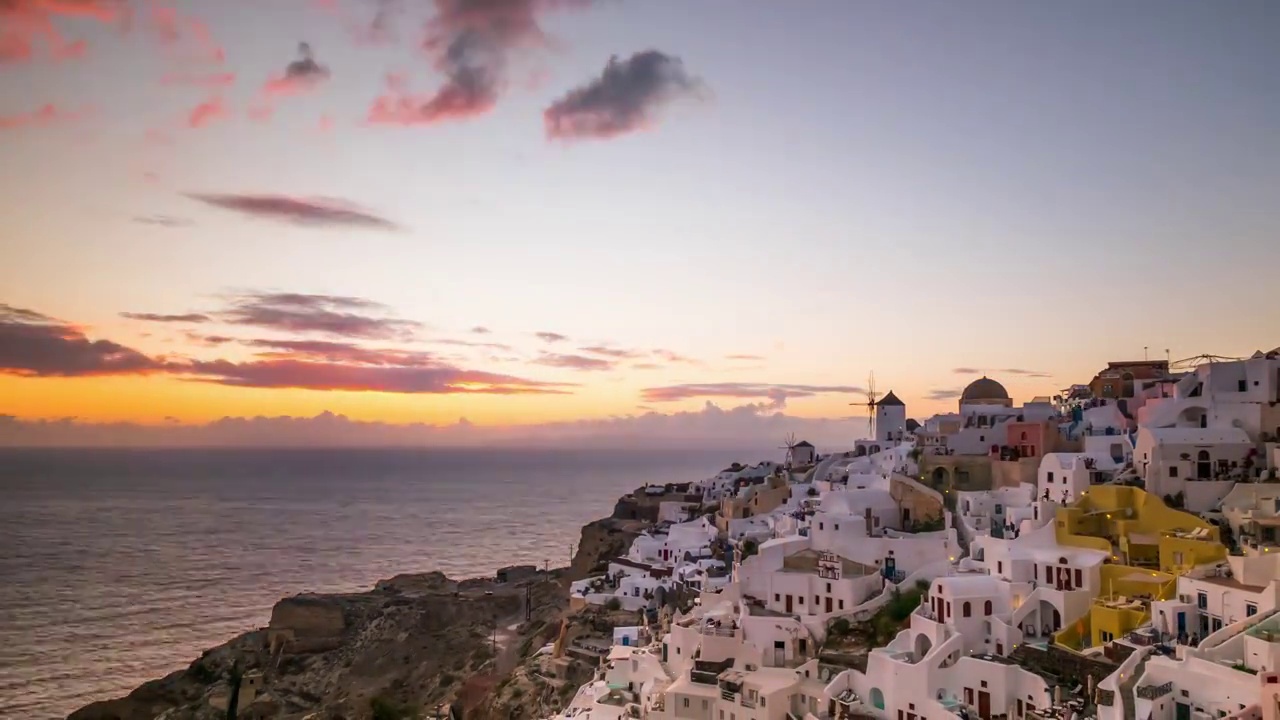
1194 461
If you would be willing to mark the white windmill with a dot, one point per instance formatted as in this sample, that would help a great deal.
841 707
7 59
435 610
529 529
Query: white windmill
789 444
870 405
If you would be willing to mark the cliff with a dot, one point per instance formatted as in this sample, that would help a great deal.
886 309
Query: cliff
413 642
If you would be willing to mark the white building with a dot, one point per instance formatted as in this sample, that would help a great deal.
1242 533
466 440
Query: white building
1195 461
1064 477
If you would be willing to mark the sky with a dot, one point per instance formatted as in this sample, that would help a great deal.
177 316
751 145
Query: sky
411 221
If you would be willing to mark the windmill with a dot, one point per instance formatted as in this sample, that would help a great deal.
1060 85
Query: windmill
870 404
789 444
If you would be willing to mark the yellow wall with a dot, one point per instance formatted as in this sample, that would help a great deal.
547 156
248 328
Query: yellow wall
1112 620
1114 515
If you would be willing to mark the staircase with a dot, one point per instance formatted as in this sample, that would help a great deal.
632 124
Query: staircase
1127 687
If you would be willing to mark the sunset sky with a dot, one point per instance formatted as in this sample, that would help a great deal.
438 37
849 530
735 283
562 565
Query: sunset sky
463 209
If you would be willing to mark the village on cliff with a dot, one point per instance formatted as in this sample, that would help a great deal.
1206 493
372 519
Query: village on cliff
1104 553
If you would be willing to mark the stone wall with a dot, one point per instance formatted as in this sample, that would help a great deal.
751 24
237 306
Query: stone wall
308 617
1067 667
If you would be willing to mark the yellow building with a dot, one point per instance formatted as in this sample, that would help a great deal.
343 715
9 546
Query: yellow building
1150 545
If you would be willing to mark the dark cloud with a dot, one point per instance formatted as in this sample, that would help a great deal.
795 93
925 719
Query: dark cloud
35 345
314 211
1025 373
618 353
944 394
623 99
325 314
158 317
340 352
1002 371
301 75
481 330
358 376
470 43
575 362
777 394
551 337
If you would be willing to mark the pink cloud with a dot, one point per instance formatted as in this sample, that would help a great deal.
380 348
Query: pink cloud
207 112
48 114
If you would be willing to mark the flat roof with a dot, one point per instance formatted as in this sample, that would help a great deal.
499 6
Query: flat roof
1230 582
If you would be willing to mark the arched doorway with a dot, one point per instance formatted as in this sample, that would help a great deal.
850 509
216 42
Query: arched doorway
1204 466
877 698
941 478
922 646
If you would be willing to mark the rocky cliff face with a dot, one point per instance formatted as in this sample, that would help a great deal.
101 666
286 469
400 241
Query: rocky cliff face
602 540
413 642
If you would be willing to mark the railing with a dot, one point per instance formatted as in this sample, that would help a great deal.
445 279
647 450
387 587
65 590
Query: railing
727 695
748 703
1106 698
1151 692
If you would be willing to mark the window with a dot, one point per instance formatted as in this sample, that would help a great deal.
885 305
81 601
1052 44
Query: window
841 607
965 609
982 438
1202 601
686 702
704 704
1050 480
1024 436
828 587
1250 609
801 597
1173 471
837 526
999 567
1079 578
1242 386
986 608
777 597
819 526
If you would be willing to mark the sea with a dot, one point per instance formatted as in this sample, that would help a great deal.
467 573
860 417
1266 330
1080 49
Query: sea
119 566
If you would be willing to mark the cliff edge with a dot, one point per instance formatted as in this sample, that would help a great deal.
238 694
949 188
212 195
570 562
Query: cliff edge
412 642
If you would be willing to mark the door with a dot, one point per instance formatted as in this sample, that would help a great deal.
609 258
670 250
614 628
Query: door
890 568
1182 623
828 603
1182 711
788 603
779 653
984 705
968 696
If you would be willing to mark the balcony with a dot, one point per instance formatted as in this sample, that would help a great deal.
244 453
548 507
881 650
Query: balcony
1153 692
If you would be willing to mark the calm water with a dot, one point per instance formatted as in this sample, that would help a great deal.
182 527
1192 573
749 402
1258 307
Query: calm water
120 566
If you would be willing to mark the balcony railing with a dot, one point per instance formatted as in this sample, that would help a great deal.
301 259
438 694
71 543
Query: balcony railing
1151 692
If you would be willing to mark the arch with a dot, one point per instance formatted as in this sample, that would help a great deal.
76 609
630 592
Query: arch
922 646
861 451
1024 436
986 608
877 698
966 609
1204 466
875 449
941 478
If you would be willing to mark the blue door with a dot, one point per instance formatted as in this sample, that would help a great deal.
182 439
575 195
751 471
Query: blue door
1182 623
626 640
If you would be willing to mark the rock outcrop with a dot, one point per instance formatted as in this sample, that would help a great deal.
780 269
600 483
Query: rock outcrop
413 642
